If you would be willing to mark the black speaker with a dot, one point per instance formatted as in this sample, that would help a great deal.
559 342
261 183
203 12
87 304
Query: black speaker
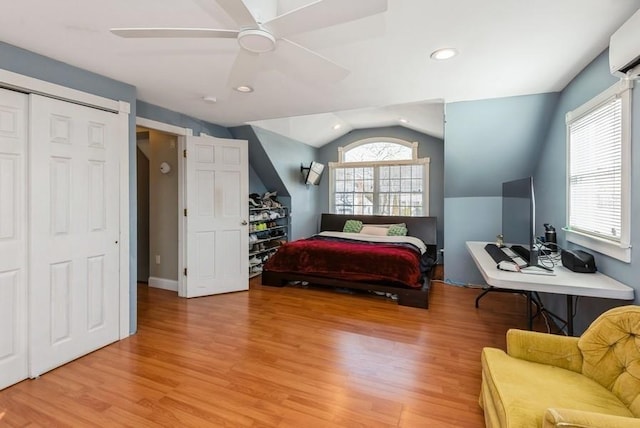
578 261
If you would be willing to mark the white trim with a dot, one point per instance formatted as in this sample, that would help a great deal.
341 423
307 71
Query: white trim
420 161
28 84
413 145
164 127
181 133
165 284
608 248
182 223
612 91
124 242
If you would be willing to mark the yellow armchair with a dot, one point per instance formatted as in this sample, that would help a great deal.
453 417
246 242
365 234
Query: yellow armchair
546 380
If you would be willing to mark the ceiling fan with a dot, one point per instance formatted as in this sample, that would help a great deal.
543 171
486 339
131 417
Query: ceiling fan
261 39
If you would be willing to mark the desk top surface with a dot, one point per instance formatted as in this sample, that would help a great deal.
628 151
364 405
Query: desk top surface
563 281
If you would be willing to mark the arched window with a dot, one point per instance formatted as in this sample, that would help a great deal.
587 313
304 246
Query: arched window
381 176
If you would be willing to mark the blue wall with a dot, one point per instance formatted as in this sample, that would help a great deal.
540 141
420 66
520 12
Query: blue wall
160 114
487 142
428 146
550 178
276 160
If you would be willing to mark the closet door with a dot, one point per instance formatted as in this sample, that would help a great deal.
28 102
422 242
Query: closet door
13 238
74 221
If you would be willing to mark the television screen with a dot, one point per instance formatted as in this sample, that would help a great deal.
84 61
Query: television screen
314 173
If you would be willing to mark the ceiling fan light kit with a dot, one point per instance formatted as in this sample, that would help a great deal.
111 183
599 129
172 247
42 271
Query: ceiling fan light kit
257 41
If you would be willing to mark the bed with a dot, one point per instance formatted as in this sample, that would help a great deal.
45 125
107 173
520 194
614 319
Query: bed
385 265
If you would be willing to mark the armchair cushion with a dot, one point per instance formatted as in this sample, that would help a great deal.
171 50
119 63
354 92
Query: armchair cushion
559 351
611 352
570 418
517 392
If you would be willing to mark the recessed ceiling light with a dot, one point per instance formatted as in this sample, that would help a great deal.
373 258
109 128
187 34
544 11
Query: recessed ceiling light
243 88
444 53
337 126
403 120
209 99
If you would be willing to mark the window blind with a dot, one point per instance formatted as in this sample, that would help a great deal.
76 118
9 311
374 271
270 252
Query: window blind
595 171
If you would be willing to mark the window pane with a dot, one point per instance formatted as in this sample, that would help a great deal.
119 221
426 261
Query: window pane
398 190
595 176
368 185
378 151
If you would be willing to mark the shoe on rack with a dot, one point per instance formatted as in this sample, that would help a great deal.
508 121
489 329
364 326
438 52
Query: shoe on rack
255 261
253 237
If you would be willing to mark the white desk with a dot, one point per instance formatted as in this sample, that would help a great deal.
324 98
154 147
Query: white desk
563 282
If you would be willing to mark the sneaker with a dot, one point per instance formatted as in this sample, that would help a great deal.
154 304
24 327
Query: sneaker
253 261
253 237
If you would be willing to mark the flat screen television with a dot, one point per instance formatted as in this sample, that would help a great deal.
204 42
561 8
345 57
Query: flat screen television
313 173
519 218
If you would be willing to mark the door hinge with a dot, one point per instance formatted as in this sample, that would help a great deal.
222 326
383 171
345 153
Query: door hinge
185 271
184 153
185 212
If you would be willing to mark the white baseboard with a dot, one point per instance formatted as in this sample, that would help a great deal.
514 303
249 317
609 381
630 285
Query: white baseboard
165 284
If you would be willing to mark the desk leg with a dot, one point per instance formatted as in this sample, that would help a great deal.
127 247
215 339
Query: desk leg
569 315
529 317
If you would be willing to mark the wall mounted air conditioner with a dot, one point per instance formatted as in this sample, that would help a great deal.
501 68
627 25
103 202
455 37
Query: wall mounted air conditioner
624 49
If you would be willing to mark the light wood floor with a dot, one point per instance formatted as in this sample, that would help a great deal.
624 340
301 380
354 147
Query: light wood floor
279 357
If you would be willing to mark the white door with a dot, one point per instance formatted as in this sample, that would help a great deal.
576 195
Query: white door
217 188
74 221
13 238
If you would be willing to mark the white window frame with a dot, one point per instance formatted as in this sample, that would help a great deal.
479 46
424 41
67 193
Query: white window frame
425 162
619 250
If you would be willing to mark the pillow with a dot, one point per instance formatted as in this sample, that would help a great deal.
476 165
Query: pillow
352 226
369 229
399 229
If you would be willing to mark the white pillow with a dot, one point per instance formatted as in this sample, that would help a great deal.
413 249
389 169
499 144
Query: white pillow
369 229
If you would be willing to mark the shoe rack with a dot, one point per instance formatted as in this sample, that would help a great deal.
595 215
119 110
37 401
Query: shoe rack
268 230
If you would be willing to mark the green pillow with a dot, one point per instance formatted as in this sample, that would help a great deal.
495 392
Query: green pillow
352 226
399 229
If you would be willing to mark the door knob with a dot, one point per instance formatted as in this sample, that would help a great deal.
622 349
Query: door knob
244 222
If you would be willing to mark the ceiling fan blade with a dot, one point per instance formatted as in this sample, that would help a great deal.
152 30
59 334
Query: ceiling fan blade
291 58
323 13
174 33
238 11
244 69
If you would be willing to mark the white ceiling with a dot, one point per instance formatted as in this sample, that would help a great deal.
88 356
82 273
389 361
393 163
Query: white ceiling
507 47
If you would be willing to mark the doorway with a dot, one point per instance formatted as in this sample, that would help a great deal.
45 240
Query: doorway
158 207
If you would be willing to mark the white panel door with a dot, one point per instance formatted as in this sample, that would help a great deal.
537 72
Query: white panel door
217 188
74 220
13 238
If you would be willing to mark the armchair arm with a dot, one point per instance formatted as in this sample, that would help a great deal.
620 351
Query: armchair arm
570 418
551 349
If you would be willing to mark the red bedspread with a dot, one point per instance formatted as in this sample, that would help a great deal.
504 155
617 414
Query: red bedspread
350 261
